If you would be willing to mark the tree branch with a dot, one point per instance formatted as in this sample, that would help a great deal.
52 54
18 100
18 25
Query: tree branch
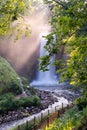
60 3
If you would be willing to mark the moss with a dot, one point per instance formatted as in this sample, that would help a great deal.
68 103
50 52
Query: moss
8 78
25 82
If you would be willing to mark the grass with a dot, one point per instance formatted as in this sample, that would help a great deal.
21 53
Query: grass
72 119
8 78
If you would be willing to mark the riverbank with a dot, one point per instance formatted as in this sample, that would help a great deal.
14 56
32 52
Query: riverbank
48 99
12 124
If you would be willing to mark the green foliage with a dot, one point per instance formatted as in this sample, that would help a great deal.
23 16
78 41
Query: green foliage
69 25
10 10
32 90
25 82
71 119
9 85
45 61
81 102
27 102
8 102
13 17
8 78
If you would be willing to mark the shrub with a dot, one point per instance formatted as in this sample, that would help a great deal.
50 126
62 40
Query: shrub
32 90
82 101
8 78
27 102
71 119
8 102
25 82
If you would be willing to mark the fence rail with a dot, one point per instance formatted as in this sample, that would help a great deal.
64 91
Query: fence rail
44 119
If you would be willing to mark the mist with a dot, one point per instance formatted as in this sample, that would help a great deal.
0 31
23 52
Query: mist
23 54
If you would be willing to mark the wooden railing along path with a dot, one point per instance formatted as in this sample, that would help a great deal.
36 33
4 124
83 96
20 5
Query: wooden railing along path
44 119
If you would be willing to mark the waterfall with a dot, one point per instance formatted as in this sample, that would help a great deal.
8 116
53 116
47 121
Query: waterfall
22 88
47 78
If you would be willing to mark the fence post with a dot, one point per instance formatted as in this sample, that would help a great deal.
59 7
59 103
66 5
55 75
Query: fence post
19 127
48 112
58 113
67 106
41 116
48 118
62 107
55 108
26 125
34 123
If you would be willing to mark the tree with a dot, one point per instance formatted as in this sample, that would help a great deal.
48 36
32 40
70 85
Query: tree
69 25
10 11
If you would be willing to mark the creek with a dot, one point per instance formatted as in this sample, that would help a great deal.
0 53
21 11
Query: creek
45 81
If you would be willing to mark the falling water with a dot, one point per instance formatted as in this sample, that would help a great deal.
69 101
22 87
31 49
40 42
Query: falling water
22 88
47 78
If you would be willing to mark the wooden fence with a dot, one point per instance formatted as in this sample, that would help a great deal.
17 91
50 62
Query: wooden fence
42 121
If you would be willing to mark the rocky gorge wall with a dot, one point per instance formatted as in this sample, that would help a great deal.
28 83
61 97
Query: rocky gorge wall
22 55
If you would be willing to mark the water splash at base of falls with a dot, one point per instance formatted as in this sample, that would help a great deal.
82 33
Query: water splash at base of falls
47 78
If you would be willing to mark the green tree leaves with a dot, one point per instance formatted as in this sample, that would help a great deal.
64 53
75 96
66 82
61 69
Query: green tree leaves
10 10
69 25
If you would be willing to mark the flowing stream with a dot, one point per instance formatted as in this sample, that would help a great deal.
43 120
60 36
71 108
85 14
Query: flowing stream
22 88
45 81
58 105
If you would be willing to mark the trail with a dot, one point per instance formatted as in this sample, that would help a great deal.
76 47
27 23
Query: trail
58 105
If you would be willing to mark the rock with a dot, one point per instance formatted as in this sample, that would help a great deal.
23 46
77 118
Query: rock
47 99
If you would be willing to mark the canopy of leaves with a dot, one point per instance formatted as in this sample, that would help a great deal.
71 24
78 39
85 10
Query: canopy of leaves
69 25
11 10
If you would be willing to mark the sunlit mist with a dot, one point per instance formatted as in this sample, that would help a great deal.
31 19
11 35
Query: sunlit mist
21 52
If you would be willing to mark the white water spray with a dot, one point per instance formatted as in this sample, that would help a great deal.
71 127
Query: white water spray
47 78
